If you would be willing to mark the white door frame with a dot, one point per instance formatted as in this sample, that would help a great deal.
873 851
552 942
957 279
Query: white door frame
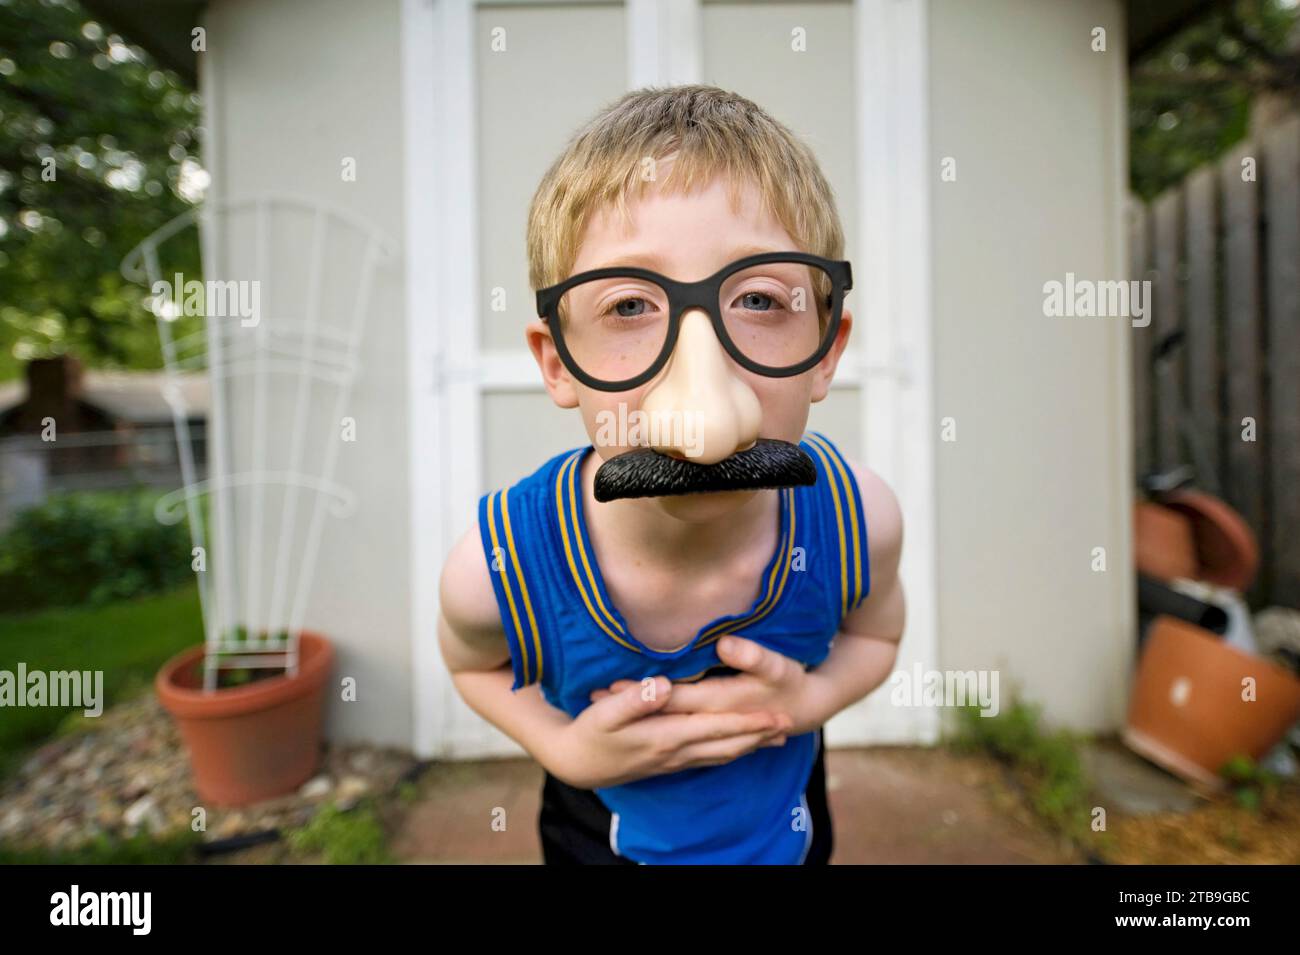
448 372
896 377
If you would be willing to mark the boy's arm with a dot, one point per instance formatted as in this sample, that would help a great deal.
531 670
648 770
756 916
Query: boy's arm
863 652
610 742
861 656
474 648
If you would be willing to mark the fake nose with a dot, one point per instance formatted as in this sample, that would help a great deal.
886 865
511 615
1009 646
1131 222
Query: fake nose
713 413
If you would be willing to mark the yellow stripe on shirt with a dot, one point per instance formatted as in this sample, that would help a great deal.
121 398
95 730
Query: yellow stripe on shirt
523 585
852 499
582 548
505 581
570 465
773 596
839 522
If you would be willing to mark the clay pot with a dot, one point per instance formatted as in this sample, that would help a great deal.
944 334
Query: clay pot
1226 551
1164 543
253 742
1186 712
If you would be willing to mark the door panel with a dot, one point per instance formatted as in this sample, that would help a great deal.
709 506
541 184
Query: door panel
561 62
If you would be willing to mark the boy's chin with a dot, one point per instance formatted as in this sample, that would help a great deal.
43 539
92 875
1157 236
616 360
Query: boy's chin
702 505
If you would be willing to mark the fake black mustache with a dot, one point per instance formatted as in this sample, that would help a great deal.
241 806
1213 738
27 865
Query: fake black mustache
644 472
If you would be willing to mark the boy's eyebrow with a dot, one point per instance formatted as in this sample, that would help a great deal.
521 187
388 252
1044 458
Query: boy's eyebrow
644 260
649 260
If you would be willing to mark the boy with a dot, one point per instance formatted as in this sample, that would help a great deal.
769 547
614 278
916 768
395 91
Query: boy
667 597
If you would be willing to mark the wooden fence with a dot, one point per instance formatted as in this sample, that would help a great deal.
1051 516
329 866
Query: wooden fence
1222 252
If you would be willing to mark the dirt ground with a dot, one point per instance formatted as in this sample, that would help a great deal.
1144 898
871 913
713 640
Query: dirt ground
1218 832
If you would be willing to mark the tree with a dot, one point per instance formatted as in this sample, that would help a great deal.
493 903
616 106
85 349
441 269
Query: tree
97 149
1190 100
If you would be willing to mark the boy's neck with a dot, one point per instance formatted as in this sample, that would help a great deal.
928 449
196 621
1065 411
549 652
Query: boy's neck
660 539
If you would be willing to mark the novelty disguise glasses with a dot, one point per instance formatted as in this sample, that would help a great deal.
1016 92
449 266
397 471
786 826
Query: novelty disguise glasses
775 313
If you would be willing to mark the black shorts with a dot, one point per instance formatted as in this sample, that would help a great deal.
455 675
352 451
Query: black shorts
574 823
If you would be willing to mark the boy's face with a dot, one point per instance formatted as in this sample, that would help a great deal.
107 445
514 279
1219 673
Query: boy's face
707 407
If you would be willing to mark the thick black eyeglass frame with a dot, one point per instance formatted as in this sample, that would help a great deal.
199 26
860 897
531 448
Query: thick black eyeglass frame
703 295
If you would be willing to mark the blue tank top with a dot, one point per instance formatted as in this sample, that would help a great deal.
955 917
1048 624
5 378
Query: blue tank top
565 634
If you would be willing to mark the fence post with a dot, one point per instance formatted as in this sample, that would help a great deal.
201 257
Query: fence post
1202 326
1281 163
1244 472
1168 387
1139 248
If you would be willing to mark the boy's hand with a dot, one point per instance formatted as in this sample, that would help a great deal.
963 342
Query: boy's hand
630 734
770 682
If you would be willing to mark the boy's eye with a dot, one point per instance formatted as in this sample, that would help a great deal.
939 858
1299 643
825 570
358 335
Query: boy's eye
756 301
629 306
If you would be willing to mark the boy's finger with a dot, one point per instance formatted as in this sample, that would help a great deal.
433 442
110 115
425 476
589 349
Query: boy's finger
618 686
619 709
704 697
701 727
753 658
722 750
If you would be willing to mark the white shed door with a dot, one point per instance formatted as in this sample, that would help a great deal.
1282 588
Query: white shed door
507 85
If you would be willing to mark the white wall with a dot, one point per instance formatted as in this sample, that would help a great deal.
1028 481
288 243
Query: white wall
1040 473
292 87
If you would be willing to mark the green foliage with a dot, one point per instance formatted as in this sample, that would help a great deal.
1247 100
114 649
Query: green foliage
90 548
127 641
241 676
351 837
1190 100
1058 786
174 849
121 133
1248 781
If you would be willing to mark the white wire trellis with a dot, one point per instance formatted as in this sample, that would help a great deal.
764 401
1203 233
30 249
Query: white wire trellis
253 618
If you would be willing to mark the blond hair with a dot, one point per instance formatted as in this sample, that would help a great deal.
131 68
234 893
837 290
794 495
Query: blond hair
706 132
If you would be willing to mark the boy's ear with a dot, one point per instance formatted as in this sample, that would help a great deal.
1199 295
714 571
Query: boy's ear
554 375
824 371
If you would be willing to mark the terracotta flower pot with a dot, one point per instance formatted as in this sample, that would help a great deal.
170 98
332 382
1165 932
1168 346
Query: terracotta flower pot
1226 551
253 742
1164 543
1186 712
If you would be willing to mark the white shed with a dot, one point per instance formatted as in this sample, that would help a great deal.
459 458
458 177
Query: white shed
978 151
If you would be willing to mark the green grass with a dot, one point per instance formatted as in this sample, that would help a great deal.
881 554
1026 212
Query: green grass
1249 782
174 849
128 641
1057 784
354 837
